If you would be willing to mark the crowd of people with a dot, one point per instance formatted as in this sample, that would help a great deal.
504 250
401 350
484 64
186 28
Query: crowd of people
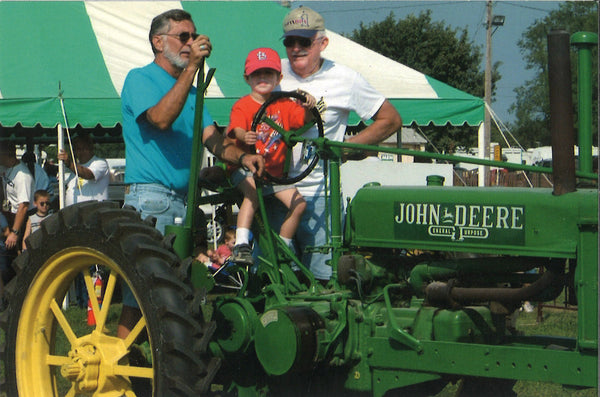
159 108
27 194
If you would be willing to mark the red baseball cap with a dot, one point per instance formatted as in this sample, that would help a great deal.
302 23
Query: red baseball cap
262 58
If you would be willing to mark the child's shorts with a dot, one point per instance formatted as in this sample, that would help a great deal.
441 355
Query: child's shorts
240 174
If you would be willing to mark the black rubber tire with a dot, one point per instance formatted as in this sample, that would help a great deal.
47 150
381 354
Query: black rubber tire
258 118
136 253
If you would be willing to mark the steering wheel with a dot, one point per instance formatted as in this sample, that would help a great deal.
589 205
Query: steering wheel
310 156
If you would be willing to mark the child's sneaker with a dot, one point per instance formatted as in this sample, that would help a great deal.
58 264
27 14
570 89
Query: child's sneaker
242 254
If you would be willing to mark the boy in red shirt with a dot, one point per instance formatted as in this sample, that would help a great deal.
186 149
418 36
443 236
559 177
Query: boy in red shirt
263 73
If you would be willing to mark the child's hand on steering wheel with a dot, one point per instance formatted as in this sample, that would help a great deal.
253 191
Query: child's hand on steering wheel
250 137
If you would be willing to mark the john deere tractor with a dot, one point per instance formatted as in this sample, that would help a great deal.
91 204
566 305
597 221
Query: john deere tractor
426 282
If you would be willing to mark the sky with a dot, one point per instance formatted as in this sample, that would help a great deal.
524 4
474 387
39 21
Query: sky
345 16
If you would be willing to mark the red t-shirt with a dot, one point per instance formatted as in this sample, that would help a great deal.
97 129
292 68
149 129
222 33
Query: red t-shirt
284 112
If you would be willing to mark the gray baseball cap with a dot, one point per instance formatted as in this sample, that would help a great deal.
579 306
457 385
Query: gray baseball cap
303 22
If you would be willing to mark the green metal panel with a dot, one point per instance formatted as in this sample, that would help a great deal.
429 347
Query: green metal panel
276 342
493 220
511 362
586 286
470 324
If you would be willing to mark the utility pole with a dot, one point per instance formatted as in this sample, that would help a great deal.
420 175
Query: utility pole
484 171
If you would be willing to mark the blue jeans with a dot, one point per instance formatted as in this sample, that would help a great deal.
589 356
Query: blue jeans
153 199
311 232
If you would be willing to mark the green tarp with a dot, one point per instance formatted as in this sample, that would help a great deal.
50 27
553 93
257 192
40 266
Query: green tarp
81 52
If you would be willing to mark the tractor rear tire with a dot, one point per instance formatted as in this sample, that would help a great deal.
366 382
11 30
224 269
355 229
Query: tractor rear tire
97 362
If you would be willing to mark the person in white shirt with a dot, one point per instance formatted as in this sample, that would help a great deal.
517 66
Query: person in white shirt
18 185
90 174
338 90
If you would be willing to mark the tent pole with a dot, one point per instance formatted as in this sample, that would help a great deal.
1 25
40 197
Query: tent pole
61 192
482 169
61 169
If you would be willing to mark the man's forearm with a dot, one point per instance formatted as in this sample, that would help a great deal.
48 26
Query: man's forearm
387 121
165 112
222 147
20 216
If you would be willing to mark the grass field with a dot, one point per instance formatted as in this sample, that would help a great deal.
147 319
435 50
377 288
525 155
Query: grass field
555 322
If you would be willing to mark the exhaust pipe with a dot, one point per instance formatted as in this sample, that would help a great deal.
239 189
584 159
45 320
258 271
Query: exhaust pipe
548 286
561 112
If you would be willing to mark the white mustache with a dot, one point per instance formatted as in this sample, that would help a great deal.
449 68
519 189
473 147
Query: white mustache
300 53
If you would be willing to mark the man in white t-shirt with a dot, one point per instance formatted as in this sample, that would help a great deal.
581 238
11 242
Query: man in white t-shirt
90 174
338 90
18 184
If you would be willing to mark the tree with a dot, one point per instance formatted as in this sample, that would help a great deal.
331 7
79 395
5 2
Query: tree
532 107
437 50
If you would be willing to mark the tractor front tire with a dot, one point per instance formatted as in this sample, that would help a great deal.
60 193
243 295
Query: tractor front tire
36 359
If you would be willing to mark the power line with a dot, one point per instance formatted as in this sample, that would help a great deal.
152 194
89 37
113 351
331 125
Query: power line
520 5
426 4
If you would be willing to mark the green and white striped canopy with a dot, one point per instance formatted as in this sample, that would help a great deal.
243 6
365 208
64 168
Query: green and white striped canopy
81 51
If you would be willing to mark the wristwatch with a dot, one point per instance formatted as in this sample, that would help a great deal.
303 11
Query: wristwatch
15 231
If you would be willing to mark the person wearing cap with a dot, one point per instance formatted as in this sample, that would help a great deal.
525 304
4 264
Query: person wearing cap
158 103
262 72
89 175
339 90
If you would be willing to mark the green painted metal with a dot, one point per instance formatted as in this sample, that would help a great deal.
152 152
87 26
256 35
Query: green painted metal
435 180
469 325
586 286
517 221
453 158
277 342
584 42
242 319
502 361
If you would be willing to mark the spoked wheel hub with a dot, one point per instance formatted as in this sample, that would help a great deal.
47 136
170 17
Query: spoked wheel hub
94 364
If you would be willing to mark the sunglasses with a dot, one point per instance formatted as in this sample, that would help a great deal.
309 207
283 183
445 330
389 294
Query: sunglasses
44 203
183 36
306 42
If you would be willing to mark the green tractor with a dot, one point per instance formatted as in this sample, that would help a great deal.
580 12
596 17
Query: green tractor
425 283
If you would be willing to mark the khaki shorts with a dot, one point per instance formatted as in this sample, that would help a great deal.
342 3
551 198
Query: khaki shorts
240 174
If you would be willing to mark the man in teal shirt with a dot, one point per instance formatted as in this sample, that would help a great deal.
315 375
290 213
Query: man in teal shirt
158 106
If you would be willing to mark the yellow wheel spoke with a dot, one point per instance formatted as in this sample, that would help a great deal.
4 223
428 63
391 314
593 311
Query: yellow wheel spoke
57 361
135 332
136 372
110 288
106 300
62 320
71 392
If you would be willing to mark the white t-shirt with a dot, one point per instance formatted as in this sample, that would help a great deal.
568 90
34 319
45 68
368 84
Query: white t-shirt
341 90
89 189
18 185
